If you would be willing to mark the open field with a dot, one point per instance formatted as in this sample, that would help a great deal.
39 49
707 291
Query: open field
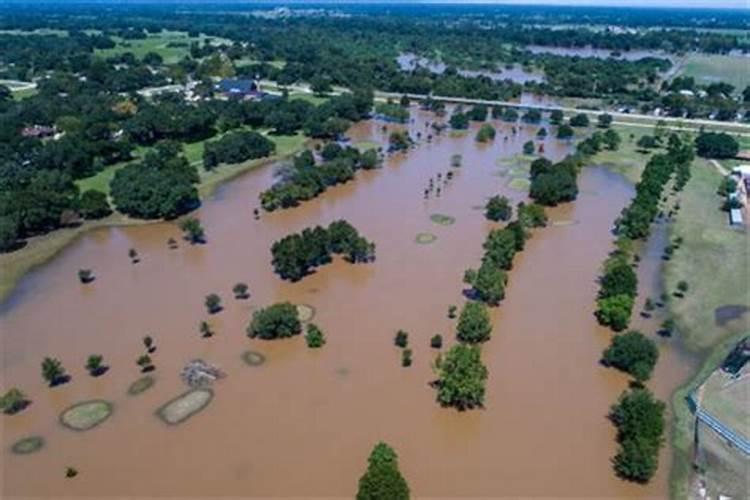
170 45
38 250
708 69
713 259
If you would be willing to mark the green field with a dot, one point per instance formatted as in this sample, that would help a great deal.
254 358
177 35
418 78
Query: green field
713 260
713 68
158 43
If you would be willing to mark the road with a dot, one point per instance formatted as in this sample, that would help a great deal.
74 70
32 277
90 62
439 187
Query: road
629 119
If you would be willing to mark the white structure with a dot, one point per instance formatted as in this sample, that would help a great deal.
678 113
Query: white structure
742 170
735 217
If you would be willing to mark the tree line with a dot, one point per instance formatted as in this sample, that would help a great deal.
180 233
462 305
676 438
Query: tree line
305 178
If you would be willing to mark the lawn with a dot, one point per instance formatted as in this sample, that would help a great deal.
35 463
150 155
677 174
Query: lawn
626 161
713 260
707 69
159 43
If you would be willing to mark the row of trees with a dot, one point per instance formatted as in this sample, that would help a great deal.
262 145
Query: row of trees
617 292
305 179
295 255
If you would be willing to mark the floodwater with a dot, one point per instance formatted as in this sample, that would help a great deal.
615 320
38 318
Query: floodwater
303 423
628 55
409 62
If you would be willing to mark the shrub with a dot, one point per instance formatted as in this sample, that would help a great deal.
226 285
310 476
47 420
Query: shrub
436 342
401 339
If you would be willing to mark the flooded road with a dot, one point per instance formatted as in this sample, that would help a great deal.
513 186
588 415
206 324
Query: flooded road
303 423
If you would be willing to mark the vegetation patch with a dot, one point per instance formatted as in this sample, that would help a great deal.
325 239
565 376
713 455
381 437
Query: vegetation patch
425 238
86 415
185 406
253 358
305 312
442 219
27 445
141 385
519 184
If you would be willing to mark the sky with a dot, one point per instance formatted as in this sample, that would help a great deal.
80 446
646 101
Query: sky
723 4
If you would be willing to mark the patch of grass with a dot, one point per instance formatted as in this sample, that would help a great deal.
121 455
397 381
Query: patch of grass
305 96
86 415
520 184
442 219
27 445
101 180
184 406
21 94
365 145
141 385
713 259
708 69
305 312
253 358
425 238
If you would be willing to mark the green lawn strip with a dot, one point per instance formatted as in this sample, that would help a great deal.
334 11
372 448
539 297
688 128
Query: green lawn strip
713 260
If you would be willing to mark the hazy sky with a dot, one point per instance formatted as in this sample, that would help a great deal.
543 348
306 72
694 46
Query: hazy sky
724 4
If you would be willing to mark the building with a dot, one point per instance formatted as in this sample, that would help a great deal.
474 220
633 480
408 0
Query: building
238 89
38 131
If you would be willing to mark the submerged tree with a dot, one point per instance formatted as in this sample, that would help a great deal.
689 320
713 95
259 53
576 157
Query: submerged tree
474 324
383 480
275 321
461 377
498 208
241 291
85 276
193 230
13 401
53 371
144 361
633 353
95 365
401 339
213 303
314 336
148 342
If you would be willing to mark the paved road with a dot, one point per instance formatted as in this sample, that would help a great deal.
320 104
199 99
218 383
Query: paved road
629 119
739 127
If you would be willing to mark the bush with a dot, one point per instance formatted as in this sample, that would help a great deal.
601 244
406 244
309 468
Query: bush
474 324
213 303
461 377
13 401
633 353
94 205
275 321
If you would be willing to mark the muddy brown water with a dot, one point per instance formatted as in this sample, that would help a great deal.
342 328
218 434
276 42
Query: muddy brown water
303 423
